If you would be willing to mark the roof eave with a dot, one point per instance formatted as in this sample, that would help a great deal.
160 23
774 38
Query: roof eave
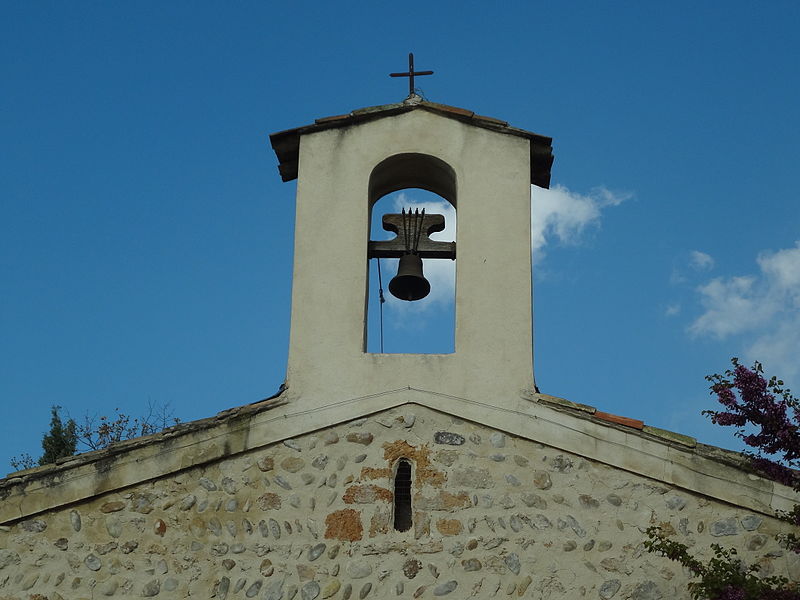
286 144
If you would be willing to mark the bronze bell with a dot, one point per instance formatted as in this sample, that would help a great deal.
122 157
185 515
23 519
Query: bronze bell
409 283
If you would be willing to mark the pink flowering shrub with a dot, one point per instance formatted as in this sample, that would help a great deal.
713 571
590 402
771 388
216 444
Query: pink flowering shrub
768 420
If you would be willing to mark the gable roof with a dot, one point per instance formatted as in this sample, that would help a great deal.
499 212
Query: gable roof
286 144
627 444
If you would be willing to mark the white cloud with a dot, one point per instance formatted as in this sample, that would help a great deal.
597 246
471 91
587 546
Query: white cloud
676 277
697 261
561 214
778 349
783 269
700 261
730 306
672 310
763 308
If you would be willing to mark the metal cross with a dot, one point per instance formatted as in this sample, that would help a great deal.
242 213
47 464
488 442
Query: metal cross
410 74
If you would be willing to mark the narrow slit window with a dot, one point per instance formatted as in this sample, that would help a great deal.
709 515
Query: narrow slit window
402 496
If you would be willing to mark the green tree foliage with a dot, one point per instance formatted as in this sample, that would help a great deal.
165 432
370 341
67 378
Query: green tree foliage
723 577
60 441
95 433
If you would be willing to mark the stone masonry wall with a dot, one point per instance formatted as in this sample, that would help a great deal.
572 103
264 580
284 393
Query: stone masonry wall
493 516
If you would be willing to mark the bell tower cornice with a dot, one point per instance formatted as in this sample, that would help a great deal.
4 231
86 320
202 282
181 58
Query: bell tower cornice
286 144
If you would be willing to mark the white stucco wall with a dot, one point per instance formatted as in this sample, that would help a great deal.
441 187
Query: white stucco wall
493 332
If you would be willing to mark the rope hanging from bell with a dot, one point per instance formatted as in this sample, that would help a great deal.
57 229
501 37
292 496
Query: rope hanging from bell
410 284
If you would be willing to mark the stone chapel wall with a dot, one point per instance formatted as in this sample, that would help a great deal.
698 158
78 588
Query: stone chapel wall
493 516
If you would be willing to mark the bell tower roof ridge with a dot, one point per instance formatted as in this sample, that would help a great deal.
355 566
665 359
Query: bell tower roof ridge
286 144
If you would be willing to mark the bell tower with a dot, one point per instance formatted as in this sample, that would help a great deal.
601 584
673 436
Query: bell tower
484 168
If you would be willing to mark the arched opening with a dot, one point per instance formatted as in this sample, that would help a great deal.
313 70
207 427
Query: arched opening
402 496
426 326
412 170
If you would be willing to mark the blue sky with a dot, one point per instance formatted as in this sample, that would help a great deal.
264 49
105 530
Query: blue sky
146 237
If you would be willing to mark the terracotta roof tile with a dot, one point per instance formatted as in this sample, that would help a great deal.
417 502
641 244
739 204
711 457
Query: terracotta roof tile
590 412
491 120
449 109
333 118
287 143
628 422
